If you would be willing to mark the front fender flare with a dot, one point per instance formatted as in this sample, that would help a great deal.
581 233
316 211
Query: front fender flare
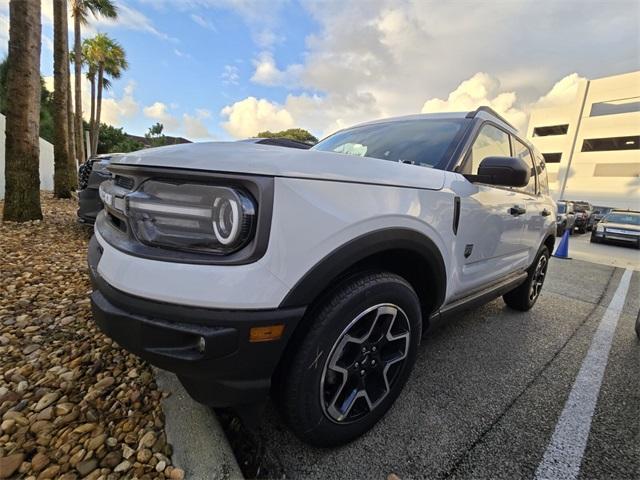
323 274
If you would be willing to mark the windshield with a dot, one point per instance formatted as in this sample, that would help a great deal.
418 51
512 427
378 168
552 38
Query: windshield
562 208
420 142
628 218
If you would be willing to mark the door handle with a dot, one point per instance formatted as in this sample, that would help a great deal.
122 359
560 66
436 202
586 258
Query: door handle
545 213
517 210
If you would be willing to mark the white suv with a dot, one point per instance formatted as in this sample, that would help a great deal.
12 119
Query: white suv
312 274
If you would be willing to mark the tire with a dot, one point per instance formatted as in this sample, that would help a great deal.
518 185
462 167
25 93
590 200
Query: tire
524 296
315 399
594 239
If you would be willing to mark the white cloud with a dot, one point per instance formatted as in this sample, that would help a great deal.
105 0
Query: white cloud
248 117
267 72
128 18
261 16
203 22
394 56
159 111
194 126
180 53
131 19
563 92
481 89
116 110
230 75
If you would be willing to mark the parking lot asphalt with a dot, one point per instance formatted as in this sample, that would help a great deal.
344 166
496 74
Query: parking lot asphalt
488 390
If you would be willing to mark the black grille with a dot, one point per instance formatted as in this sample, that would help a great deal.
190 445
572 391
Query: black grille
125 182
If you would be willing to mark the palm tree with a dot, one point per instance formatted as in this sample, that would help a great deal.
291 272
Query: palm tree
104 56
22 145
80 10
64 168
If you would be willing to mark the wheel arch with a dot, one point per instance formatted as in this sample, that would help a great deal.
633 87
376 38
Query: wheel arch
403 251
549 242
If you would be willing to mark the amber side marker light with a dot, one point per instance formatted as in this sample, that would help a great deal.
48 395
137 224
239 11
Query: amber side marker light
266 334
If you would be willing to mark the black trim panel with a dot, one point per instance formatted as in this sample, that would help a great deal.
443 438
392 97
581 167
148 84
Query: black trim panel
322 275
481 297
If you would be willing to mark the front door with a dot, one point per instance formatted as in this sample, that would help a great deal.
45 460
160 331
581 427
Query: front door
492 220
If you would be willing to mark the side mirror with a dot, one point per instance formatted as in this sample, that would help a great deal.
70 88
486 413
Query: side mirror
503 171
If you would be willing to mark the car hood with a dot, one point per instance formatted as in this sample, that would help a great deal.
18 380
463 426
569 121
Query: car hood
621 226
240 157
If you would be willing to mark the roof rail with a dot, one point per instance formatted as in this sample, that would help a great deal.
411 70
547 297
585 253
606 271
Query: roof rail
490 111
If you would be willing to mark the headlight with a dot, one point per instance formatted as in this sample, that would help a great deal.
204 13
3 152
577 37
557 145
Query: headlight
100 166
599 227
191 217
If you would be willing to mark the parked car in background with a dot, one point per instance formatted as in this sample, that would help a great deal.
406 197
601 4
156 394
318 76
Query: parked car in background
618 226
583 212
565 217
90 175
312 274
596 216
95 171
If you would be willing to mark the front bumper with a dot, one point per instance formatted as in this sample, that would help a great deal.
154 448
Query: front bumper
89 203
208 349
615 237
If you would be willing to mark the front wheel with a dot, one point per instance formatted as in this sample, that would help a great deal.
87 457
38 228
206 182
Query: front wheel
525 296
354 361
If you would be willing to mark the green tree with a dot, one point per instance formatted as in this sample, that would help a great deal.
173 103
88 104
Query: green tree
80 10
115 140
298 134
155 136
22 145
103 56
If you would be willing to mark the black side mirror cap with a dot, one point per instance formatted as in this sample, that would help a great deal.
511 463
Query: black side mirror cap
502 171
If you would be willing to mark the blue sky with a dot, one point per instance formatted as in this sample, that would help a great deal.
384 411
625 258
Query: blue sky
220 69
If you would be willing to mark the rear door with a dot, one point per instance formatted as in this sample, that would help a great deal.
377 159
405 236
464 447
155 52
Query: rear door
534 219
489 239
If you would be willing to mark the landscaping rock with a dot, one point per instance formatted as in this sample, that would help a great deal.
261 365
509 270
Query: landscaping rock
72 403
10 464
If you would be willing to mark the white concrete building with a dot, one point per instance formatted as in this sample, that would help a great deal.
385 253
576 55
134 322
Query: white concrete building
46 161
592 145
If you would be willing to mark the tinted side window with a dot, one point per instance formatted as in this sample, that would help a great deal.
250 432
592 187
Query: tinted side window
490 142
543 181
523 152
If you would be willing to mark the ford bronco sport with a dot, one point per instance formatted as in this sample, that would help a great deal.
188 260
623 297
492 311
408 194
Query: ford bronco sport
311 274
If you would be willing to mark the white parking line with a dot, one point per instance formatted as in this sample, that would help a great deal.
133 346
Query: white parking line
564 454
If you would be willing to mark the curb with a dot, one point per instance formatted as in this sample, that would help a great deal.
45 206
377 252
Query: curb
200 446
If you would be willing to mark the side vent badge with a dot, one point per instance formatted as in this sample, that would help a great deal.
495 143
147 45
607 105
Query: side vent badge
467 250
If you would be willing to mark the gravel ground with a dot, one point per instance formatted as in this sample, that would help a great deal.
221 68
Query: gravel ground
72 403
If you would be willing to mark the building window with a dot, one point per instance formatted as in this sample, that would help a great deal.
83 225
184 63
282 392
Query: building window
611 143
552 157
617 170
551 130
614 107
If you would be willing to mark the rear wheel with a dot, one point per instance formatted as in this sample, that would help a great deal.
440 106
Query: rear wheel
353 363
525 296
